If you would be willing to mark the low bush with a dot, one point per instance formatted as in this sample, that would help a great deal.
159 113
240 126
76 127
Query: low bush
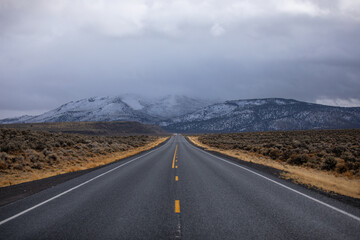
330 150
25 150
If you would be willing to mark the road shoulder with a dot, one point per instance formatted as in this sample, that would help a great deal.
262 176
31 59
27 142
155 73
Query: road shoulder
279 173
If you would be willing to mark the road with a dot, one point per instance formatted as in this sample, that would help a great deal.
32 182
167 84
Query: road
178 191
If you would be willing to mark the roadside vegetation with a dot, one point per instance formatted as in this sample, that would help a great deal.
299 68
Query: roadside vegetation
115 128
327 159
27 155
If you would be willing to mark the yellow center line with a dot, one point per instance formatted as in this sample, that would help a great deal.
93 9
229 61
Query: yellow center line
173 163
177 206
176 178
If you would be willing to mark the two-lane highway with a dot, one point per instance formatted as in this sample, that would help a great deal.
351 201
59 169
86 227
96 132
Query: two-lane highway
178 191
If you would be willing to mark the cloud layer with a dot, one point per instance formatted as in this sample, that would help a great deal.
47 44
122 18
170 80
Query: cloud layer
57 51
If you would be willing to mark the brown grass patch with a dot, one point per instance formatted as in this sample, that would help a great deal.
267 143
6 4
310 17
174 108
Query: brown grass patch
327 181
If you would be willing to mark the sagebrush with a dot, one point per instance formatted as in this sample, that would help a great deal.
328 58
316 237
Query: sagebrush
25 150
329 150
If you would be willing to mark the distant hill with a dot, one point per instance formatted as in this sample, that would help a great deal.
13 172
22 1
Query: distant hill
265 115
92 128
176 113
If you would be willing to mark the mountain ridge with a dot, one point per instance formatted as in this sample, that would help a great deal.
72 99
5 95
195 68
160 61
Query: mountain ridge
184 114
266 115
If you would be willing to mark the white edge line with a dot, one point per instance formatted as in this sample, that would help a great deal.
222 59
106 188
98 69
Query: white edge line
282 185
73 188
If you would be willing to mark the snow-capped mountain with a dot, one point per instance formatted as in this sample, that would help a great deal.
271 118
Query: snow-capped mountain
265 115
91 109
126 107
184 114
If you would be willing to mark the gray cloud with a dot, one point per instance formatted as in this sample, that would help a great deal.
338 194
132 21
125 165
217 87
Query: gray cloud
58 51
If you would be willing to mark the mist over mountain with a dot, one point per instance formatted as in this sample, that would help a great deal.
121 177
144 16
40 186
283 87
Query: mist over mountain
127 107
184 114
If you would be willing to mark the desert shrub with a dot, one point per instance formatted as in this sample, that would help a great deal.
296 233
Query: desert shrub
52 157
3 164
46 152
296 143
4 156
32 155
78 146
338 150
40 146
348 156
71 152
8 147
323 148
18 166
312 162
235 146
274 153
20 149
322 153
298 159
341 166
247 148
329 163
279 146
123 147
18 159
38 165
285 155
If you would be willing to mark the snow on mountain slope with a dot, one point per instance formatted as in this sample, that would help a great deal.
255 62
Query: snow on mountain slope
127 107
92 109
184 114
212 111
20 119
133 101
174 105
264 115
164 107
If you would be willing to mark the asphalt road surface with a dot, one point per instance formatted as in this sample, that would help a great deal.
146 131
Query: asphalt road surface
178 191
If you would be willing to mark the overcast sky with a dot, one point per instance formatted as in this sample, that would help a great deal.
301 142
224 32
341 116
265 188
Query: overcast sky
52 52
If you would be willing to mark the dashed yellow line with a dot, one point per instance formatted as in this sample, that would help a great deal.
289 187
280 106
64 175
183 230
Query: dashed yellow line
177 206
177 202
173 163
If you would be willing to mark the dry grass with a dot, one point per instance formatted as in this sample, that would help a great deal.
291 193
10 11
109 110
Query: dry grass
114 128
330 150
29 155
325 180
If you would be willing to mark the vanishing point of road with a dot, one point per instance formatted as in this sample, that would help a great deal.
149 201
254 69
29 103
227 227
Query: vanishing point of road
178 191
